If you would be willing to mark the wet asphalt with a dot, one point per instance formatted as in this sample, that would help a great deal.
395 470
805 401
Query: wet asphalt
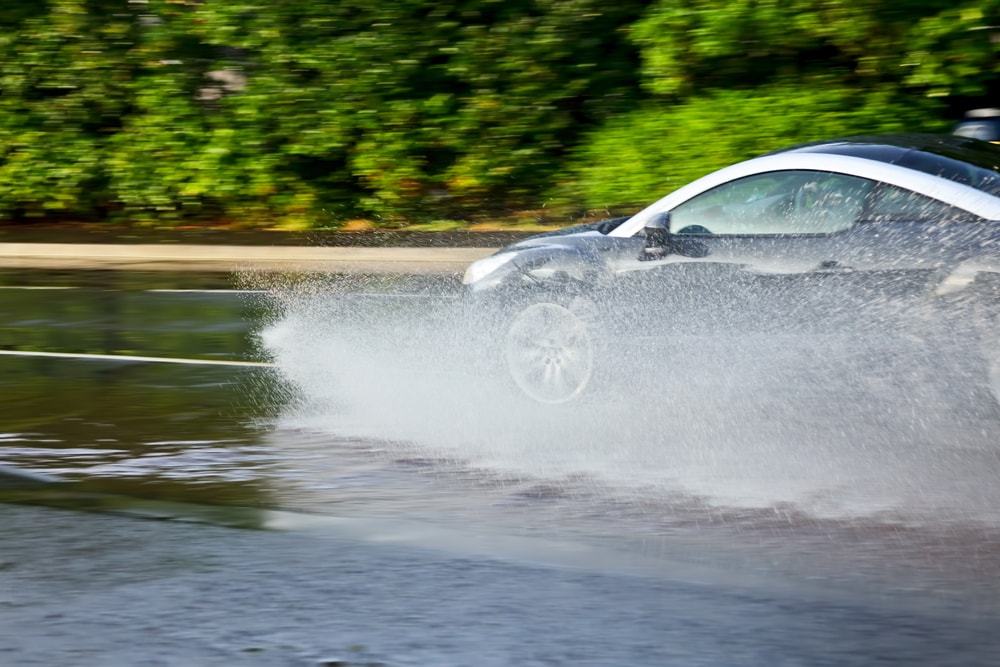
130 588
106 590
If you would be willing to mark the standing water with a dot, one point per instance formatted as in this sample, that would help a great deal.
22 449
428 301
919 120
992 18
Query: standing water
844 468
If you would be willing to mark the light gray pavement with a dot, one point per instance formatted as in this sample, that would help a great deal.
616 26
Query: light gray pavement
173 257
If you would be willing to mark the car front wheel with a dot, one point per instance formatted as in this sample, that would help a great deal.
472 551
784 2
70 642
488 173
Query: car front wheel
549 349
988 320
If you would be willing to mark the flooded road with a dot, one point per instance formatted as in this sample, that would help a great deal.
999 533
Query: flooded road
415 512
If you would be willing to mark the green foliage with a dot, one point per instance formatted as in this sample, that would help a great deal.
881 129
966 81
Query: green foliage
690 44
957 51
303 113
642 156
63 79
733 78
389 109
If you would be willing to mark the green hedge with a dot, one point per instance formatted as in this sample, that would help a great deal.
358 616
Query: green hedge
641 156
307 113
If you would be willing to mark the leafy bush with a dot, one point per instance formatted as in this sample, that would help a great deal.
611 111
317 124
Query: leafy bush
304 113
642 156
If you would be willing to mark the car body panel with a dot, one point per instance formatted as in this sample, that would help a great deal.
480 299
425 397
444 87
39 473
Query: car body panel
871 274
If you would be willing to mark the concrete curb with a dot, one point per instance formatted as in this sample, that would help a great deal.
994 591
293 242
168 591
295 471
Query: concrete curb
174 257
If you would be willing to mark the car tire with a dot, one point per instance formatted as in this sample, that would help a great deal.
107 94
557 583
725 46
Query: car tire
987 321
991 358
551 347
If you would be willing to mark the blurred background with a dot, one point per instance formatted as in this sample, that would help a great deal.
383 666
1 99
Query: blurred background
349 114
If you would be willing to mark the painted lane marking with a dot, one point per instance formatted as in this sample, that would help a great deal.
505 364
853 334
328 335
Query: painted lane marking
127 357
206 291
38 287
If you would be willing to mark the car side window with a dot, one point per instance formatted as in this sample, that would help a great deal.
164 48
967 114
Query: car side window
776 203
888 203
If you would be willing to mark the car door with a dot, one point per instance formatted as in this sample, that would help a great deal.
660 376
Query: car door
792 250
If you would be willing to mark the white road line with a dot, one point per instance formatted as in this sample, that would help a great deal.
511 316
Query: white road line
127 357
39 287
207 291
393 295
167 291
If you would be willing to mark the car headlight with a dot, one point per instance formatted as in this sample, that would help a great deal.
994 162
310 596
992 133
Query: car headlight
484 267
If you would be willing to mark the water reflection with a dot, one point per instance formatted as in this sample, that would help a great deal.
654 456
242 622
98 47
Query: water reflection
156 431
123 313
143 429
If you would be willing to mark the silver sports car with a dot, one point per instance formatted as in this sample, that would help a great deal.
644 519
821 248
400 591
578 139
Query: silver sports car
885 235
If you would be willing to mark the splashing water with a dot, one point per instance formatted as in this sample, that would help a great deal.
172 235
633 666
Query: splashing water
828 426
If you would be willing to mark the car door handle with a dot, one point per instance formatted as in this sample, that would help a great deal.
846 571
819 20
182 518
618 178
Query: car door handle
833 266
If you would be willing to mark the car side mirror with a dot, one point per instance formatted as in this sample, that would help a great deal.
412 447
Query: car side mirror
658 238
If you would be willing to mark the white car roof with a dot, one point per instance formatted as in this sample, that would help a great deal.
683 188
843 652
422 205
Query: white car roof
956 194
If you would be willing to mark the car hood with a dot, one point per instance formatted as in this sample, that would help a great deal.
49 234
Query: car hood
597 228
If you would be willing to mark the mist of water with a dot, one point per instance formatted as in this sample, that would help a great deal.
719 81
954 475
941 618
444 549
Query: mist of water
824 424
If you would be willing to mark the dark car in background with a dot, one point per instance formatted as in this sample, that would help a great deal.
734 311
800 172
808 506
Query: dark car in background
888 236
982 124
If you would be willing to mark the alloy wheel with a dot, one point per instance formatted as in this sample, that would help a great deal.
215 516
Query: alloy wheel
549 352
